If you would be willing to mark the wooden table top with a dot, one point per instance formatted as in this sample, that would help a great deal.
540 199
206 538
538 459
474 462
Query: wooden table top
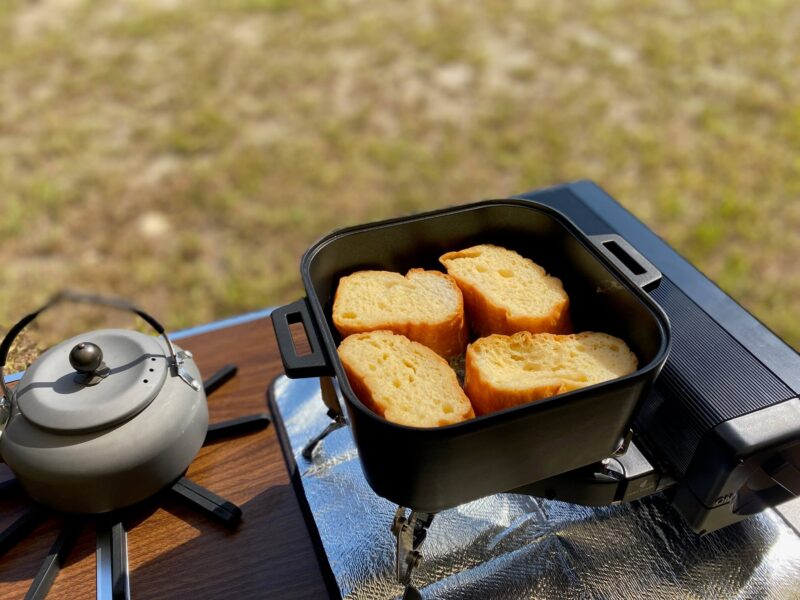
173 550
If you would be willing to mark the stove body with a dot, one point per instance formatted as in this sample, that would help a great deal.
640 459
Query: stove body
720 430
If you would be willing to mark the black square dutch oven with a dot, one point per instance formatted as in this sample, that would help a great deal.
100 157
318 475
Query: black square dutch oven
431 469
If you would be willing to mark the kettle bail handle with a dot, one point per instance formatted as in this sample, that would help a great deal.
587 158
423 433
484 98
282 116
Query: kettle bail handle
81 298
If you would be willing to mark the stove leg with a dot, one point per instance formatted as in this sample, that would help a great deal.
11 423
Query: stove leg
55 560
213 383
235 427
331 400
20 528
113 582
410 532
207 501
338 421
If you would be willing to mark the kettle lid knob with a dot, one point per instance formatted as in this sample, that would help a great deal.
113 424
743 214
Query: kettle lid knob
87 359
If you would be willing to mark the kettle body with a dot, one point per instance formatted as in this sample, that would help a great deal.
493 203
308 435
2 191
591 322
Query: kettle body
93 441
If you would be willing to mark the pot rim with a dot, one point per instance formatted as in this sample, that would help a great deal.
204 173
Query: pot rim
479 422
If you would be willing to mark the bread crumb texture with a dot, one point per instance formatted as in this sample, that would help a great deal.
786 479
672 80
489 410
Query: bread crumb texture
505 292
402 380
425 306
504 371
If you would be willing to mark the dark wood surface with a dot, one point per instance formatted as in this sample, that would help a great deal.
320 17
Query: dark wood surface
175 551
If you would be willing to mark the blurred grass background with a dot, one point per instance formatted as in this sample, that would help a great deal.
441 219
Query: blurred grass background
183 154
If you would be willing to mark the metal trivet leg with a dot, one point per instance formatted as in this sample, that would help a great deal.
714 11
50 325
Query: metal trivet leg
55 560
207 501
234 427
410 533
113 582
331 400
20 528
213 383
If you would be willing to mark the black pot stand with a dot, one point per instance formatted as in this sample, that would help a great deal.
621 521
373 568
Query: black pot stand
112 544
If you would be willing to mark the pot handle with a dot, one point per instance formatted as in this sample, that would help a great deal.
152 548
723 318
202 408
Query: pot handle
295 366
72 296
628 260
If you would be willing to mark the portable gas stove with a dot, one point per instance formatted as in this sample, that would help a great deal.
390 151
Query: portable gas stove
718 437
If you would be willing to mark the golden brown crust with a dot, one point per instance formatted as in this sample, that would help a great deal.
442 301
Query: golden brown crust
448 338
487 318
486 399
361 389
364 392
488 395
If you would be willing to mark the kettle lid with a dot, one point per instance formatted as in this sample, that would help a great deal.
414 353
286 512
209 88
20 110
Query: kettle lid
93 381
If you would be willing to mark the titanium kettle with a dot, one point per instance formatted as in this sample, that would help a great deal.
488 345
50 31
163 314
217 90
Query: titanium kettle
104 419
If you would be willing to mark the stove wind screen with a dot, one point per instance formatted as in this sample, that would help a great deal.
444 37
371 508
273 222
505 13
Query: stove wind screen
512 546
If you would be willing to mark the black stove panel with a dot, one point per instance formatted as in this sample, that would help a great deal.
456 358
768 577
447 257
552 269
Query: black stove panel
717 419
708 379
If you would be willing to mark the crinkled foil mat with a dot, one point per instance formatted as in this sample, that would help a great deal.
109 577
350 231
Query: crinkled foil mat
512 546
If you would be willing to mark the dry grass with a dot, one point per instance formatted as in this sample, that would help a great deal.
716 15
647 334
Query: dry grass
183 154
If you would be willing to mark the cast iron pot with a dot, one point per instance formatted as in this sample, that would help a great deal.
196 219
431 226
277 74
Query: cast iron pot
433 469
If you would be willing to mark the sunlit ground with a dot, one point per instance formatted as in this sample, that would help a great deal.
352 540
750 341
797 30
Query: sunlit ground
184 154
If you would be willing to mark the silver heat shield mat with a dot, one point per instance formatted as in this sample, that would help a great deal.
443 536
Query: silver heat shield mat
512 546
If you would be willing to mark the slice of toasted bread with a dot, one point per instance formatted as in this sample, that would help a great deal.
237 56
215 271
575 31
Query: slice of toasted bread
505 292
425 306
504 371
403 381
